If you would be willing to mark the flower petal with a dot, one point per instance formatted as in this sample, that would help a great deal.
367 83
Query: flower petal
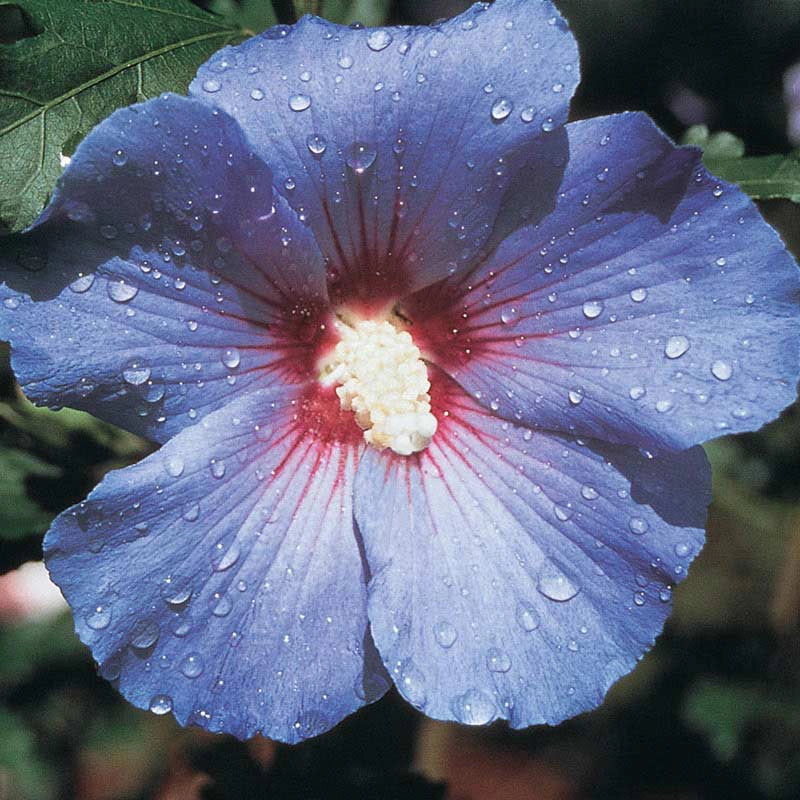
519 574
396 143
163 277
220 577
652 305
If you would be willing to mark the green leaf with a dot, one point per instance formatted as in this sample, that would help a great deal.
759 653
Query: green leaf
762 177
24 774
20 514
87 58
370 12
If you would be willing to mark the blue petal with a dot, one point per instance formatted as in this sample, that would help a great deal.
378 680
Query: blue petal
518 574
164 276
220 578
647 303
397 143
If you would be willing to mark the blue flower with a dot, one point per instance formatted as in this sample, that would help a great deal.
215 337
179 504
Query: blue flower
429 368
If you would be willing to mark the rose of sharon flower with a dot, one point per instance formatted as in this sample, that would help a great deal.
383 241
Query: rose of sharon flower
428 367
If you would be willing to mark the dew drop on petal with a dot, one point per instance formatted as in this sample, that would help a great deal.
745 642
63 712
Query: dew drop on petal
99 618
501 109
299 102
192 666
316 143
211 86
121 292
638 525
445 634
474 707
174 466
161 704
379 39
231 358
360 156
526 616
412 684
82 283
592 309
554 584
497 660
119 158
256 94
135 373
144 634
638 295
217 466
676 346
721 370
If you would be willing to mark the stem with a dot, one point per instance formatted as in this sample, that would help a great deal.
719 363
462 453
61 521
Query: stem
284 11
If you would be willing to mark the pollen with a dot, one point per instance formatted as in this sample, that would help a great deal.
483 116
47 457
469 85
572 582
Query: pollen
380 376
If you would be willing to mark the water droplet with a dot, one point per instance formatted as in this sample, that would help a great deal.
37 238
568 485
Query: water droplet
121 292
99 618
225 557
445 634
563 511
108 231
721 370
526 615
135 373
161 704
360 157
192 666
217 466
589 493
662 406
501 109
412 684
497 660
682 549
11 303
316 143
379 39
191 512
176 591
299 102
554 584
592 309
231 358
638 295
211 86
82 283
174 466
474 707
638 525
119 158
575 396
144 634
345 61
256 94
676 346
528 114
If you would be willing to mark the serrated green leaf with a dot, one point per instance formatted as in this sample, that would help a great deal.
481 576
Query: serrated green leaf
762 177
88 58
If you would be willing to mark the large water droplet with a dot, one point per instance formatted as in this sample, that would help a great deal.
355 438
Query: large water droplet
161 704
501 109
211 86
721 370
379 39
497 660
445 634
144 634
316 143
554 584
121 292
412 684
231 358
192 665
225 557
360 156
299 102
135 373
99 618
638 525
592 309
174 466
217 466
527 617
82 283
676 346
638 295
474 707
119 158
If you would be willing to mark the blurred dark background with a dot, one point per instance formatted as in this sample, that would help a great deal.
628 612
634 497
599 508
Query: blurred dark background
712 712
